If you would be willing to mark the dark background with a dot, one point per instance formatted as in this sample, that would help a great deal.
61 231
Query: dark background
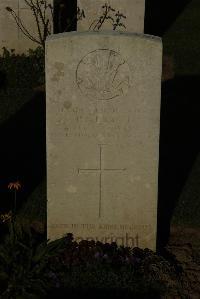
159 15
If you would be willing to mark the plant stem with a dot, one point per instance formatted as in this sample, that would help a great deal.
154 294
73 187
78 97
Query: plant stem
15 202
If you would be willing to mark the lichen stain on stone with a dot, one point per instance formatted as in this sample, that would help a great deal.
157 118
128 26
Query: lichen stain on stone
59 71
67 104
71 189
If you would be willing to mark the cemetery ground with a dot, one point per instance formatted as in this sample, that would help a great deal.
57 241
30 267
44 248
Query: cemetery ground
84 269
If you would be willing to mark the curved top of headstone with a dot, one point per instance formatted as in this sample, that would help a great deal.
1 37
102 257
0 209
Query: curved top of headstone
102 33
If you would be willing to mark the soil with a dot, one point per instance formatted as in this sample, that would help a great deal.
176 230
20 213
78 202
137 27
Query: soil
184 245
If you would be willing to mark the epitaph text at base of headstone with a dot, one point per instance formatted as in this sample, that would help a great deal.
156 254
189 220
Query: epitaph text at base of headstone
103 111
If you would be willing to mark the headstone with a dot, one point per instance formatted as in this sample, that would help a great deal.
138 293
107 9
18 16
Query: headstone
133 10
103 109
10 35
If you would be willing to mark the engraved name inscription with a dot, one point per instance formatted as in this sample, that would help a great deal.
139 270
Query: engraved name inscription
110 123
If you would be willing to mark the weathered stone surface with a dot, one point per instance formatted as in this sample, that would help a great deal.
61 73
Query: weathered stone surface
103 110
133 10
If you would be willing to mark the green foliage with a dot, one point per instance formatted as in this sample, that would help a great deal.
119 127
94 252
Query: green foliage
23 71
31 268
23 74
89 266
23 264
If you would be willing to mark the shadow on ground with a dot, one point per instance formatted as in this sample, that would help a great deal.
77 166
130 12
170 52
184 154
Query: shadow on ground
179 144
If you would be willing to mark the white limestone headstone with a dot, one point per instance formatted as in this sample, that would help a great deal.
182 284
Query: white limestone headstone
133 10
10 35
103 110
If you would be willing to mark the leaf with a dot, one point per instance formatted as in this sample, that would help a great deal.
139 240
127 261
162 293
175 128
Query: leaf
3 276
40 253
5 258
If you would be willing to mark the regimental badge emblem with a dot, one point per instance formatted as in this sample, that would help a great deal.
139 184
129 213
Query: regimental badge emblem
103 74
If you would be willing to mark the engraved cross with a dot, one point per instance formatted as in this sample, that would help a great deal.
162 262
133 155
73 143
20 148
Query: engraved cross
100 171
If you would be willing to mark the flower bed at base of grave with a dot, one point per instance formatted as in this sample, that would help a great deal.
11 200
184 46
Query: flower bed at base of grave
30 268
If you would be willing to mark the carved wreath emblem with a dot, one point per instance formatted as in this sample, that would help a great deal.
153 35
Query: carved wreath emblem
103 75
